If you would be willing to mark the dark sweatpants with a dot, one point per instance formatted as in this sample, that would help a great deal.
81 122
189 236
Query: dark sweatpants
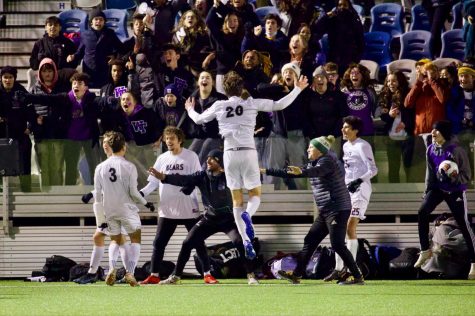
206 227
333 223
457 202
165 229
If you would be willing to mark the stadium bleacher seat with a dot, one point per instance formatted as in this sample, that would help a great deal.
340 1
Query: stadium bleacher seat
453 45
387 17
120 4
87 4
457 16
73 21
420 19
415 45
407 66
117 20
444 62
372 66
263 11
377 48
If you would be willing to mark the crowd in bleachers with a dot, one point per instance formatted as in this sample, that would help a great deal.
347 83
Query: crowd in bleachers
180 50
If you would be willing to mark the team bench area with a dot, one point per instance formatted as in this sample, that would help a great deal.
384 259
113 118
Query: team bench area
38 225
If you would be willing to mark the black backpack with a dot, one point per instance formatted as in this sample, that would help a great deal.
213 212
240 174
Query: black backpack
57 268
321 263
81 269
365 259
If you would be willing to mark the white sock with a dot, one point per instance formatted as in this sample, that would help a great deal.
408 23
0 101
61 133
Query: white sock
352 245
123 251
472 269
96 257
338 263
241 226
113 254
133 257
207 273
253 205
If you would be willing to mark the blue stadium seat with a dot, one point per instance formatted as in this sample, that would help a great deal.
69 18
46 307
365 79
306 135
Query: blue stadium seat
377 47
387 17
453 45
73 21
420 20
121 4
117 20
263 11
457 15
415 45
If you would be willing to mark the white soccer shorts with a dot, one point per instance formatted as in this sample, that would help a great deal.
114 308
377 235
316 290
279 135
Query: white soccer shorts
130 223
242 169
360 200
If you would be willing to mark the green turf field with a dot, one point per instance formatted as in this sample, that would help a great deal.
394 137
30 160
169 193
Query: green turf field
232 297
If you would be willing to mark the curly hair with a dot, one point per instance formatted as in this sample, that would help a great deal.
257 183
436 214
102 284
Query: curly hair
388 98
346 81
199 28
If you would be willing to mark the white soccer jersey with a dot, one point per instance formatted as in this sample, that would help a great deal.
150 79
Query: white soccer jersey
173 203
116 178
358 161
237 117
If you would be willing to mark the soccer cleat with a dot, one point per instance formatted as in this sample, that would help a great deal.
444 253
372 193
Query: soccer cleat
209 279
249 250
251 279
151 279
336 275
249 227
130 279
424 255
87 278
171 280
352 281
289 276
111 276
471 274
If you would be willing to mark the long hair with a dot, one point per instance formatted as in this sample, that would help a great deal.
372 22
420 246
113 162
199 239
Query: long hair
225 28
198 28
388 98
346 81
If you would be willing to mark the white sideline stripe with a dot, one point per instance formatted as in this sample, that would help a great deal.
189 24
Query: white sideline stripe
285 283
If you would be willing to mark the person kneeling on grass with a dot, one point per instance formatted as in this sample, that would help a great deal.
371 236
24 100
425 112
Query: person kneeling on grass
218 217
333 201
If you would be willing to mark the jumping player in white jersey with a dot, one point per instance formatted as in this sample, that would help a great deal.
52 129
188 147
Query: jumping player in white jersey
116 178
360 167
175 208
237 119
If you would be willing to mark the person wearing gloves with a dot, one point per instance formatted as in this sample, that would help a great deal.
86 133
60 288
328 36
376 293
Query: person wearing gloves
442 184
358 160
333 201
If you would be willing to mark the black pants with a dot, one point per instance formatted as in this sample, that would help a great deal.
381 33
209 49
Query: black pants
437 17
457 202
165 229
206 227
333 223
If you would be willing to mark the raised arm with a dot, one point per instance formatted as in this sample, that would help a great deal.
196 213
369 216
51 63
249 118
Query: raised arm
202 118
281 104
